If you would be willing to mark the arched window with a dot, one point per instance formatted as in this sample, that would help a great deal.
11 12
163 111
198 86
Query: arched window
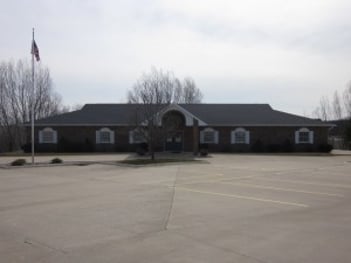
105 135
137 136
47 135
209 135
304 135
240 136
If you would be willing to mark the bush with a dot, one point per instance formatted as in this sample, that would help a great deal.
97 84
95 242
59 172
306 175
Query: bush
18 162
142 148
203 149
56 160
203 152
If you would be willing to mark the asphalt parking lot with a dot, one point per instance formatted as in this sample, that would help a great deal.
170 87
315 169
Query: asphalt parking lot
235 208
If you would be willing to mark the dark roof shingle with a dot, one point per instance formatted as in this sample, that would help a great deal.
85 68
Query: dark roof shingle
212 114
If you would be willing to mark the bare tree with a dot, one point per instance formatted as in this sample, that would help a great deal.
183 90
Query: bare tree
337 107
17 97
191 94
347 105
151 94
347 101
170 88
323 111
75 107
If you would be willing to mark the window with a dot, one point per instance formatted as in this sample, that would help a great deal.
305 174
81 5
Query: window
303 135
240 136
105 135
136 136
47 135
209 135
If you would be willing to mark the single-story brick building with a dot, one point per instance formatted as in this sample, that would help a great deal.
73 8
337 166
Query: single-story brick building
221 127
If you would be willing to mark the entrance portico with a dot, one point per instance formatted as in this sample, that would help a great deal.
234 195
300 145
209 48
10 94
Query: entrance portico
174 124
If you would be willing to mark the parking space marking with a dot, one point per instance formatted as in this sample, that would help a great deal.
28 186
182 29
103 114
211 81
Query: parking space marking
222 179
303 182
282 189
192 180
241 197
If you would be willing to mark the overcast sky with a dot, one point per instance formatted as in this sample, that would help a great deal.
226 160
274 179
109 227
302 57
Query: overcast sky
285 53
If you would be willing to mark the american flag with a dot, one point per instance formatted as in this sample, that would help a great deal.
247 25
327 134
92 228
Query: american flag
35 51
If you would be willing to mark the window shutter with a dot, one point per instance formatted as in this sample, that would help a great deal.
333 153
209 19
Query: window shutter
97 137
131 134
311 137
247 137
54 137
296 137
112 137
40 136
201 136
232 137
216 135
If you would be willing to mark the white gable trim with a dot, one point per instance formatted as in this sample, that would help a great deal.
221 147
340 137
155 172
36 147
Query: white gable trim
189 117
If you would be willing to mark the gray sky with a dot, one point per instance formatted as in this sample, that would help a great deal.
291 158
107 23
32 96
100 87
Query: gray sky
286 53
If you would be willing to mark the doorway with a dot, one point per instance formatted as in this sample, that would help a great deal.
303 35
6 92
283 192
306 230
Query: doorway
174 142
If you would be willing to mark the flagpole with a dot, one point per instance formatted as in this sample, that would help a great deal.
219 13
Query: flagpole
32 102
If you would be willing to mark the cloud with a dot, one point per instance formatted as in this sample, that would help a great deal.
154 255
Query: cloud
253 48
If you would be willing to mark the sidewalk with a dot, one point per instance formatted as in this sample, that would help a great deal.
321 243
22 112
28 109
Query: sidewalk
341 152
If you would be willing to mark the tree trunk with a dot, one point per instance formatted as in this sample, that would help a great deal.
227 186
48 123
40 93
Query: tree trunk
152 151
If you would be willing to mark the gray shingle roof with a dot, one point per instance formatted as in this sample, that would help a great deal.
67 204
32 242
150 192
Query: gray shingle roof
212 114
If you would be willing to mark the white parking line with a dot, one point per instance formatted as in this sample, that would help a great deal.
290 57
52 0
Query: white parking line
242 197
192 180
213 180
282 189
303 182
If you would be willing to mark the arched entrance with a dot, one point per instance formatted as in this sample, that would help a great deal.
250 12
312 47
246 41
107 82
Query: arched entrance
174 123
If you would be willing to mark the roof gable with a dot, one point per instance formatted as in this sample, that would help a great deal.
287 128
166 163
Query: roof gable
189 117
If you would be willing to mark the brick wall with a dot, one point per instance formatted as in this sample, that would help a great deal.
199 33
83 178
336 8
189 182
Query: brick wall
83 139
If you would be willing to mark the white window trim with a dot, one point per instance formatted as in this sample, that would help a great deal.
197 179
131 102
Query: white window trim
202 135
98 136
48 129
131 138
247 136
310 136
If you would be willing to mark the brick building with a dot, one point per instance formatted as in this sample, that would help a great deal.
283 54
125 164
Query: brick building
221 127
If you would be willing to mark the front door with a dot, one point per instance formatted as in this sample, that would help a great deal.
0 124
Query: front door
174 142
